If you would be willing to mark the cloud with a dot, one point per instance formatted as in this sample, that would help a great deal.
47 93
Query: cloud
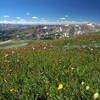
6 16
18 17
27 13
23 21
63 18
43 20
34 17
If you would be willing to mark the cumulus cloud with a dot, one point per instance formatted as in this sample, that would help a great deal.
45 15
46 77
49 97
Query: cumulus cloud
34 17
18 17
6 16
63 18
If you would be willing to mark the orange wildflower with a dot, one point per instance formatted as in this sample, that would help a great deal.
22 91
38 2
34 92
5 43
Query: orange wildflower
13 90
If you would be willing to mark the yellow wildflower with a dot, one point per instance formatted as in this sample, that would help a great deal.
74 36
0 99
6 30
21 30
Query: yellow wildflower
87 87
13 90
82 83
73 69
96 96
60 86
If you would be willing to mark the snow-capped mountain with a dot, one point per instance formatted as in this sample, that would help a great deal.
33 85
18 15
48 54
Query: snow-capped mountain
8 31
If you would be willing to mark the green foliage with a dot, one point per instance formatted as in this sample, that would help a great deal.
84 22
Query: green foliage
35 72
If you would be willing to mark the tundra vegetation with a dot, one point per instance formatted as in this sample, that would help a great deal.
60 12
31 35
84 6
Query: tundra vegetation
62 69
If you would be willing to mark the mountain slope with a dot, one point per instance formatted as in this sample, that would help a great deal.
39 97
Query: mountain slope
55 70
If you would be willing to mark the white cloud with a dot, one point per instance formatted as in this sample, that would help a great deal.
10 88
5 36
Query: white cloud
6 16
18 17
63 18
27 13
43 20
23 21
34 17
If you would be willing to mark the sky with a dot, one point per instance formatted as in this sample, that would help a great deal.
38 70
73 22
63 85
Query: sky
50 11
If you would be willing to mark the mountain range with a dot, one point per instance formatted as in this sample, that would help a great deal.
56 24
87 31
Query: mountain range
41 32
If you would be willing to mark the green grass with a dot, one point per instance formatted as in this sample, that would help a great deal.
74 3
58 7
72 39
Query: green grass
35 71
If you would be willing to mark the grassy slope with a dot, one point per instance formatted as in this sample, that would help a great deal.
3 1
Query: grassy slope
35 74
18 42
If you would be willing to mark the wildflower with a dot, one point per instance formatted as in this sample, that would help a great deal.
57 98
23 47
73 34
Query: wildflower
44 48
60 86
87 87
5 80
48 95
82 83
73 69
6 55
13 52
96 96
33 48
18 60
91 49
13 90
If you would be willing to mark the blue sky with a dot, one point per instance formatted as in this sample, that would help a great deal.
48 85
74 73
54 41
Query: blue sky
50 10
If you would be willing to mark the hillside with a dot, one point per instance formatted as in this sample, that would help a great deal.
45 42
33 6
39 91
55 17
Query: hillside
61 69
